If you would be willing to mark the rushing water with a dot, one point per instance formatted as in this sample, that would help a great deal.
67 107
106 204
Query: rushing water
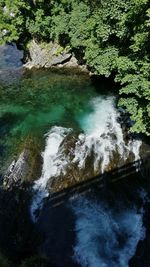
106 237
102 141
80 134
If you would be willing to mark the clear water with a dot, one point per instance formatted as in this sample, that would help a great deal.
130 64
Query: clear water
31 105
43 102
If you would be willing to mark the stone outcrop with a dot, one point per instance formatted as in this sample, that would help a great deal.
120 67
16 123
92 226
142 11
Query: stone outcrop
43 55
46 55
28 166
17 171
25 168
73 174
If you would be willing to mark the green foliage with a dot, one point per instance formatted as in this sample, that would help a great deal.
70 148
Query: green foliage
112 35
4 262
39 26
12 19
103 61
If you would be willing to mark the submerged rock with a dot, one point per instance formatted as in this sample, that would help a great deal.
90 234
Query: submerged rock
10 57
10 62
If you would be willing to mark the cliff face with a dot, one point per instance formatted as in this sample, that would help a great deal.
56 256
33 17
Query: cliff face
42 55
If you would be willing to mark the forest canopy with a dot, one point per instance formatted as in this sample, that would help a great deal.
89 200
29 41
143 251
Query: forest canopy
112 37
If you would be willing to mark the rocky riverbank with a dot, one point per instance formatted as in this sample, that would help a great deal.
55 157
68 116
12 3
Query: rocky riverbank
51 55
96 143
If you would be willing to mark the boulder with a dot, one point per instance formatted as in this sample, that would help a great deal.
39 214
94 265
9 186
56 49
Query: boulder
26 167
48 55
17 171
42 55
75 169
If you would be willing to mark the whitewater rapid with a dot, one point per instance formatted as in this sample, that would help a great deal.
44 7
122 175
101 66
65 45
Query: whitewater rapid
103 134
101 140
104 237
53 165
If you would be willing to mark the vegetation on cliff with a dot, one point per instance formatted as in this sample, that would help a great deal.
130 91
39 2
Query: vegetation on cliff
111 36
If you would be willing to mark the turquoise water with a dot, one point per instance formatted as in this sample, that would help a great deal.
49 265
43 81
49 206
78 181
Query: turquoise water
107 226
38 100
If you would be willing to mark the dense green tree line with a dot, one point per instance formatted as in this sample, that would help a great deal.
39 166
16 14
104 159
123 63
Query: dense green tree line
112 36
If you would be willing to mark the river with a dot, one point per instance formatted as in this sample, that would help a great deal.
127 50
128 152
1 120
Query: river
79 133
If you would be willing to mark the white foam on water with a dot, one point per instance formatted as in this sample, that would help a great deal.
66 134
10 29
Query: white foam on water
105 238
102 137
144 196
53 164
134 146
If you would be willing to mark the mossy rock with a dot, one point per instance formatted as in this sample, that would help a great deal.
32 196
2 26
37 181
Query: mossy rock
46 55
26 167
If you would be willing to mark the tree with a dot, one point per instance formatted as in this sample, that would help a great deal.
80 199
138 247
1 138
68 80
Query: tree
111 35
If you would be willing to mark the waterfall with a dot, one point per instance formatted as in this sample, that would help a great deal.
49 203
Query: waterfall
103 135
101 141
53 165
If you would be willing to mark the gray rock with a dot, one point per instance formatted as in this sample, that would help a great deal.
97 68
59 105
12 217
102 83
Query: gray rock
42 55
46 55
17 170
73 64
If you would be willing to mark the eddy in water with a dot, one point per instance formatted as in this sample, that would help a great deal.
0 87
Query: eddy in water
106 237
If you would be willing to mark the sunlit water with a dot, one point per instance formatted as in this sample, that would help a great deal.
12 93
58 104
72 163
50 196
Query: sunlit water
30 106
102 139
49 106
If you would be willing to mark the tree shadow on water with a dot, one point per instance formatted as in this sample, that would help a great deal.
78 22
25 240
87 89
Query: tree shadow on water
57 219
19 237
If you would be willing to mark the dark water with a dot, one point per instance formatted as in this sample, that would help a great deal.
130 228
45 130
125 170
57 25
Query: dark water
106 227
